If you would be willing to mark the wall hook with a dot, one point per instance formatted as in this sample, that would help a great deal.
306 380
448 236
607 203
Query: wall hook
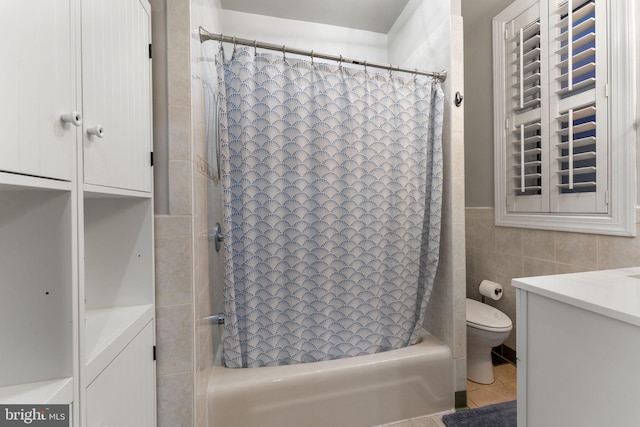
458 99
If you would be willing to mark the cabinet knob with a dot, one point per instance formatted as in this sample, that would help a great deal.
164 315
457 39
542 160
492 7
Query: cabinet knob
96 130
73 118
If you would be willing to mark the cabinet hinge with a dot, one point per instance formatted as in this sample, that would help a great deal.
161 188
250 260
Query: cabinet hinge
150 55
151 158
606 197
154 352
606 90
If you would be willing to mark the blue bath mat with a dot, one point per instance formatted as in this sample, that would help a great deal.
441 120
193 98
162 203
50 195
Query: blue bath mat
498 415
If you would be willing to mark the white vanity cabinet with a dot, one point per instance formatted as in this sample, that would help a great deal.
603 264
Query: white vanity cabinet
578 348
77 313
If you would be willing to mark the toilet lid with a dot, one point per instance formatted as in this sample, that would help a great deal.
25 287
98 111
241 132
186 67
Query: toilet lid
483 316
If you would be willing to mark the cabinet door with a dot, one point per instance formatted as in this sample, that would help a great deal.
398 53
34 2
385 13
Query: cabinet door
116 83
123 395
37 86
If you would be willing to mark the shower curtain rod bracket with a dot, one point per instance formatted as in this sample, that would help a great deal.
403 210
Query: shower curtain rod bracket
206 35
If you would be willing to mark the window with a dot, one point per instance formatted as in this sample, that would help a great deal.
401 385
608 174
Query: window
564 126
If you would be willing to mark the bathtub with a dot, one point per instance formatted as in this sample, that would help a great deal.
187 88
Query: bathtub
362 391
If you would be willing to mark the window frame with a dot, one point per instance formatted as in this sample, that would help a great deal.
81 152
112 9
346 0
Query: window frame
622 109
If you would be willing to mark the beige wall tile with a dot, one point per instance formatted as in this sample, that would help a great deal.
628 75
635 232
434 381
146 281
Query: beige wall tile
172 225
508 266
472 289
175 337
173 270
618 252
577 249
470 227
457 153
486 266
178 77
566 268
458 201
178 24
175 400
485 235
539 244
470 262
508 240
460 367
179 132
180 187
537 267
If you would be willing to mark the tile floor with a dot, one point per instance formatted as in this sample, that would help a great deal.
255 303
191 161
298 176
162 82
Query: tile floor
503 389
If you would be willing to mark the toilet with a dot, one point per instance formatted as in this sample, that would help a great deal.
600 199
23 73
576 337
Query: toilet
487 327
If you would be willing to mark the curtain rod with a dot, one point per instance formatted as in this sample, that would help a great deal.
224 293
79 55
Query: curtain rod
205 36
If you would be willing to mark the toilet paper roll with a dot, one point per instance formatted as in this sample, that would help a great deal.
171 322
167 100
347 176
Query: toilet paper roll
491 290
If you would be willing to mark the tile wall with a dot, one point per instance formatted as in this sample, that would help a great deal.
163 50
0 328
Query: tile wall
500 254
446 313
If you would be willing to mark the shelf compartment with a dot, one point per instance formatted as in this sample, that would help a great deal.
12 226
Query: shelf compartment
37 260
118 248
108 331
57 391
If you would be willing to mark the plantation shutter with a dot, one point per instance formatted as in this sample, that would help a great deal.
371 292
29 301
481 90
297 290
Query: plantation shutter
555 108
526 148
578 107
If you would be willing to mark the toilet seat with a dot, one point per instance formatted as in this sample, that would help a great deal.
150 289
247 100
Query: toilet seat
484 317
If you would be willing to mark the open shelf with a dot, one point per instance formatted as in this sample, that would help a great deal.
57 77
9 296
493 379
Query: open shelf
98 191
14 181
37 261
58 391
108 331
118 275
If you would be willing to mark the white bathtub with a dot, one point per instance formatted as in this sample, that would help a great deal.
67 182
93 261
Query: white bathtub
361 391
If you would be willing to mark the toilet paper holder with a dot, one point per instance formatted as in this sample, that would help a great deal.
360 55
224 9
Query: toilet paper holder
497 292
491 290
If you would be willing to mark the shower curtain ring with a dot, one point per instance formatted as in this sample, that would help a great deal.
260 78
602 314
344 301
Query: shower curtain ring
221 39
365 67
235 45
255 48
284 53
415 76
312 58
340 62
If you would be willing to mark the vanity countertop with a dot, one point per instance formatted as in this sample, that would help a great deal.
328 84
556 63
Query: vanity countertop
611 293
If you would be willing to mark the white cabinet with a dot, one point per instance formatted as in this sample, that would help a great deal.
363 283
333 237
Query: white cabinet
578 349
123 394
117 107
77 310
37 86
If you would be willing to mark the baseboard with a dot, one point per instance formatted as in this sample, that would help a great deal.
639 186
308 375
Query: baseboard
460 400
503 354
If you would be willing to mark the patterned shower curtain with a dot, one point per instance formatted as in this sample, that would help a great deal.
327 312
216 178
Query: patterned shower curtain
332 181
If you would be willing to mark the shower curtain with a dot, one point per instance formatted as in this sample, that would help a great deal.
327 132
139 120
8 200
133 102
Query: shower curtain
332 182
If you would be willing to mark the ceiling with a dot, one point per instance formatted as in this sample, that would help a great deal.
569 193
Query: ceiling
476 12
370 15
